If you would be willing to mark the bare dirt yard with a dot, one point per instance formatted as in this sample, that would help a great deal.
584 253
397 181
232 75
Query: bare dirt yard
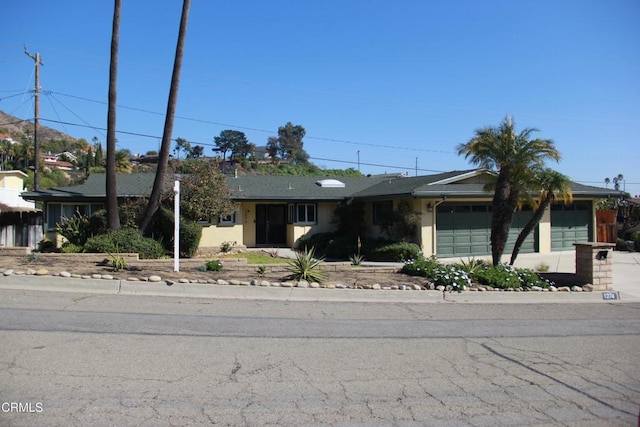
233 268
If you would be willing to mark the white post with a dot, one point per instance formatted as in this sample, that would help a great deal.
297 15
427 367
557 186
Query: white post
176 226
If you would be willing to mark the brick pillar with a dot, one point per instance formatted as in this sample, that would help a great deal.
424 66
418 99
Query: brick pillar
594 264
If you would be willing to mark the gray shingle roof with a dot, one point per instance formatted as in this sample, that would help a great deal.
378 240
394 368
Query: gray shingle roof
292 188
127 185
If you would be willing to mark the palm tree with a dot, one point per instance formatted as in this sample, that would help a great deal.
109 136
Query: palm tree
165 145
552 185
123 164
113 219
512 156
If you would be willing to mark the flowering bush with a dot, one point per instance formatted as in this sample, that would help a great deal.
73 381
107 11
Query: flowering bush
420 266
505 276
449 276
457 276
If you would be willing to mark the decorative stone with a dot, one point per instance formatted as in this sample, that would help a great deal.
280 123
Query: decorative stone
564 289
107 277
553 288
155 278
31 272
417 287
65 274
576 289
254 282
96 276
287 284
330 286
440 288
275 284
393 287
132 279
222 282
20 273
170 282
183 280
42 272
244 283
8 272
302 284
80 276
264 283
314 285
536 288
588 287
234 282
376 286
340 286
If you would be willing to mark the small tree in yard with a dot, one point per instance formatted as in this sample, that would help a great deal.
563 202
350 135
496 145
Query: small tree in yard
551 185
204 192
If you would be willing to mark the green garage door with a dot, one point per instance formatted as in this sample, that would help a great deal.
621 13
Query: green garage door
520 219
465 229
570 224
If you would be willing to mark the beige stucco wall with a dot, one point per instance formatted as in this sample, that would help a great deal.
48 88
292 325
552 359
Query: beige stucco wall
544 232
324 224
13 180
215 235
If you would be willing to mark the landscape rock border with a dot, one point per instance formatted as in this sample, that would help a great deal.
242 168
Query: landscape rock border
286 284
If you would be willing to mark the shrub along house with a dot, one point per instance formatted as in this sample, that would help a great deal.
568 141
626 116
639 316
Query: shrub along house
277 211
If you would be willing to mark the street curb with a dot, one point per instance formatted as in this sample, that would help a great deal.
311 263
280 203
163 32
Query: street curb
199 290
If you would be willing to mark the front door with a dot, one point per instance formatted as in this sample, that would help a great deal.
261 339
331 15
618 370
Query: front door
271 225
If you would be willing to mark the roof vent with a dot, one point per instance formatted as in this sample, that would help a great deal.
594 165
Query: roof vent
330 183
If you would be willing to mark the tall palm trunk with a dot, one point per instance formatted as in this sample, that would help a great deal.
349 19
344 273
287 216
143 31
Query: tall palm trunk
530 225
504 203
113 220
165 147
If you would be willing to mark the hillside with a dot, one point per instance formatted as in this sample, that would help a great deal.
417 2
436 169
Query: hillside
17 128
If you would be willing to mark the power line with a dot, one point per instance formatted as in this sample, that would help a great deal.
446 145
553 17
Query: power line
228 125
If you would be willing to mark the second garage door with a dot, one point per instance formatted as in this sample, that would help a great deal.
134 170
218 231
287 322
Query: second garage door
465 230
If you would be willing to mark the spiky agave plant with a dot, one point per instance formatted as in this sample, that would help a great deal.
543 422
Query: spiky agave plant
305 266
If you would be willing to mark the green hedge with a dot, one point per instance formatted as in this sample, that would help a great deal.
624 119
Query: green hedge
394 252
125 240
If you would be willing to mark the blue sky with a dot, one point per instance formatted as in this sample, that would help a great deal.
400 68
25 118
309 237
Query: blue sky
402 82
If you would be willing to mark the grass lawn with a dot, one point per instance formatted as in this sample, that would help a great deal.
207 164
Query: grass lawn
258 258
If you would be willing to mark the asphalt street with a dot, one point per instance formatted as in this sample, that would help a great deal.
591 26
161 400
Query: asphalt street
101 359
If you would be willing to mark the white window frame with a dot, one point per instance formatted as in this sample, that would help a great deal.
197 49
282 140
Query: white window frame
296 216
67 210
227 220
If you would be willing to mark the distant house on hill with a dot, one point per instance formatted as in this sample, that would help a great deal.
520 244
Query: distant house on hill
52 161
6 137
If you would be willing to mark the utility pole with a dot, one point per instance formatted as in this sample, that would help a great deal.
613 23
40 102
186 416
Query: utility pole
36 173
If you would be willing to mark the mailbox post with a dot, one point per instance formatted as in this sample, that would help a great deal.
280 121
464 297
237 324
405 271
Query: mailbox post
594 264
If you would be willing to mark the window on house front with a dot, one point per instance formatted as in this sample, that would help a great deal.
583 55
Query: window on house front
227 220
382 212
57 211
303 213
